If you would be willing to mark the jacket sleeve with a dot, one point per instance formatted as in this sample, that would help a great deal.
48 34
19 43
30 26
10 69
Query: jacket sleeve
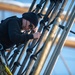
15 34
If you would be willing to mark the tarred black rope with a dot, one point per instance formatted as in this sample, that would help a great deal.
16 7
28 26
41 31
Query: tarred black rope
39 5
62 27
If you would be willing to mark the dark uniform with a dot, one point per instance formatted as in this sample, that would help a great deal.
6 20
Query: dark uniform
10 32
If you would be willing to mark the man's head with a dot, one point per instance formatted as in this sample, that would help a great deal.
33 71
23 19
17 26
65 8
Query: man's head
29 20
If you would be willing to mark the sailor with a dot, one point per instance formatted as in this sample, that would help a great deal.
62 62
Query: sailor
10 29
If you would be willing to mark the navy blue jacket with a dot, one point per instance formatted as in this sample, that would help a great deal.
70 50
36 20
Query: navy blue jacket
10 32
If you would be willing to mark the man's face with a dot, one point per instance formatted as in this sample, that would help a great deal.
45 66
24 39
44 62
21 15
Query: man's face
26 25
